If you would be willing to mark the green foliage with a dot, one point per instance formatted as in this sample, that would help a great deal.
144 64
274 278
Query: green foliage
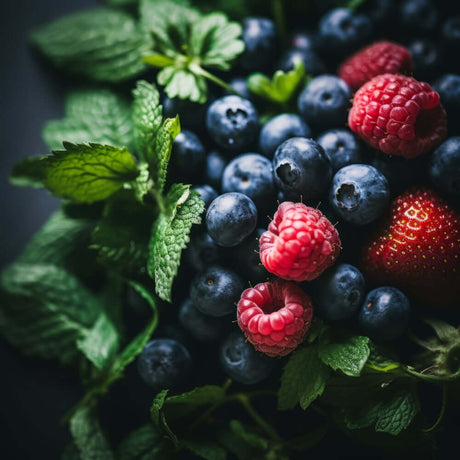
282 87
92 115
205 449
101 44
28 172
303 380
170 235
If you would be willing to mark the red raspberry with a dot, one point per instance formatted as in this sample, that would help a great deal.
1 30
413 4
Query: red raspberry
381 57
398 115
275 316
300 243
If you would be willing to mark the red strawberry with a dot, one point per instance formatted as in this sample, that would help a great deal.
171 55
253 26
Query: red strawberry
418 249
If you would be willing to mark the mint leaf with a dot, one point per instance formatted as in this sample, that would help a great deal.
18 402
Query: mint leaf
145 443
88 436
121 236
283 85
28 172
170 235
205 449
157 405
102 44
303 379
381 360
45 310
99 116
86 173
254 440
341 350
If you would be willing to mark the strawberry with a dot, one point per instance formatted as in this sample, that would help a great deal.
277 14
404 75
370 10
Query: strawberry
418 248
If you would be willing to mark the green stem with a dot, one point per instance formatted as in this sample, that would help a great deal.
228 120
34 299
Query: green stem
198 70
441 412
280 20
159 200
433 378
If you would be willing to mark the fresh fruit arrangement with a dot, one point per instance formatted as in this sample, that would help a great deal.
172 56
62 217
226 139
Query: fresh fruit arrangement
258 246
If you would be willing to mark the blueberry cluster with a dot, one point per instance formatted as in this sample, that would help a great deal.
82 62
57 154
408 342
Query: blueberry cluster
244 158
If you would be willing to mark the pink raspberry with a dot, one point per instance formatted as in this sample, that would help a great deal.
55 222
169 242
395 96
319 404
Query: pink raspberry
300 243
275 316
381 57
398 115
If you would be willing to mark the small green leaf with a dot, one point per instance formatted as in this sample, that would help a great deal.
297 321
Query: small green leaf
28 172
445 331
170 235
303 380
99 116
344 351
254 440
208 450
88 436
199 396
157 405
99 43
283 85
86 173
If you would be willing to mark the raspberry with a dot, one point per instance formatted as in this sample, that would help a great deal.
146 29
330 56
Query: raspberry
275 316
398 115
381 57
300 243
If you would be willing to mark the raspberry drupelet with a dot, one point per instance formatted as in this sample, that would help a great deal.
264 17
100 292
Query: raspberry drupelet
275 316
300 243
398 115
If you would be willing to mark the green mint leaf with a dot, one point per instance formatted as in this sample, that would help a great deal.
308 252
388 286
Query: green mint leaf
121 236
86 173
45 310
445 331
157 405
88 436
343 351
303 380
254 440
145 443
381 360
170 235
143 183
147 119
28 172
205 449
101 44
283 85
99 116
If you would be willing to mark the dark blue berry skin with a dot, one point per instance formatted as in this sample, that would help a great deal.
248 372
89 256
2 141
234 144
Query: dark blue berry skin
380 12
188 156
448 87
427 58
302 169
418 15
201 327
341 147
202 251
239 84
215 165
340 292
359 194
324 102
230 218
305 40
384 315
312 63
260 43
279 129
444 168
242 362
192 114
206 192
343 30
233 123
163 363
251 174
216 290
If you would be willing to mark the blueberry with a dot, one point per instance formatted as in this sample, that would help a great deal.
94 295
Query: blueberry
206 192
192 114
418 15
305 40
215 165
230 218
240 85
384 314
202 251
233 123
340 292
448 87
201 327
163 363
216 290
444 168
279 129
324 102
359 193
251 174
380 12
312 63
343 30
301 169
341 147
426 56
260 43
242 362
188 156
